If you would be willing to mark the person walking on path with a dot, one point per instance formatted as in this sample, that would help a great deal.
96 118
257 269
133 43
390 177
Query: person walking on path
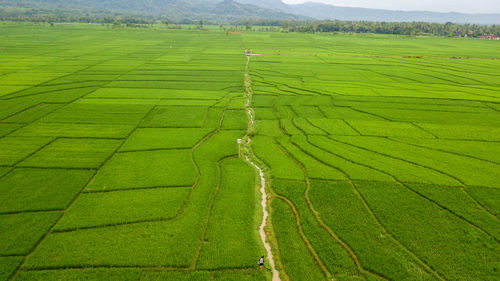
261 262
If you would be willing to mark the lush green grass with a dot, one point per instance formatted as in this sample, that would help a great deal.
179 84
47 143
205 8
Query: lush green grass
383 151
163 138
21 232
271 153
33 114
13 150
8 266
336 258
298 262
74 130
145 169
99 114
176 117
73 153
4 170
344 213
6 129
203 275
235 120
235 200
38 189
81 274
120 207
457 249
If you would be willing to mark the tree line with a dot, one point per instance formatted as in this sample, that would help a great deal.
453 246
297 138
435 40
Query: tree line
398 28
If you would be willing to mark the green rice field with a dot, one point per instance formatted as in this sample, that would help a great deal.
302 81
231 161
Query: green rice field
119 157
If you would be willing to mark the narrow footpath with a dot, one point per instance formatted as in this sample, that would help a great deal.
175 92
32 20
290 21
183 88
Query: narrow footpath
248 154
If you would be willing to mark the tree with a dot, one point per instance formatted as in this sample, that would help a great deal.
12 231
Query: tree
117 23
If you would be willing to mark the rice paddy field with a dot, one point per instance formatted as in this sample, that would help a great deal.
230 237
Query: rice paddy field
119 159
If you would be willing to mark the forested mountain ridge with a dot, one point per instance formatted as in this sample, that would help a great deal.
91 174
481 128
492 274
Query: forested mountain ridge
221 11
230 11
330 12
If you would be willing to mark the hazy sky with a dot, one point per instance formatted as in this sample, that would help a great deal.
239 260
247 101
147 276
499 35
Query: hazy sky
464 6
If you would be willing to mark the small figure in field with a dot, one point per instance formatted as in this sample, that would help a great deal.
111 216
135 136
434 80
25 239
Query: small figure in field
261 262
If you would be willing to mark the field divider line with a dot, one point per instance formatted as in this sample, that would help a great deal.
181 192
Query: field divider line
32 211
321 111
46 114
280 122
442 150
20 112
18 270
195 164
153 150
312 251
397 181
11 256
306 90
402 184
317 215
138 267
298 127
322 224
251 158
478 228
317 127
427 267
56 168
352 127
48 92
462 184
400 159
490 107
135 189
209 211
414 256
424 130
423 264
34 152
372 114
197 180
112 225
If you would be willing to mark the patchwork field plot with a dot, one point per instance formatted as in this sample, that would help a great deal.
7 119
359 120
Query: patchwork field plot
383 155
119 160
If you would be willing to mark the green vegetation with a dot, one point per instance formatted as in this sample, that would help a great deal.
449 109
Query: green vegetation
8 265
85 274
145 169
163 138
21 232
73 153
391 146
121 207
119 159
234 201
26 189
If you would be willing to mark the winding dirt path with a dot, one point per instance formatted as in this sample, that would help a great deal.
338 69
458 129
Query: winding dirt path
248 154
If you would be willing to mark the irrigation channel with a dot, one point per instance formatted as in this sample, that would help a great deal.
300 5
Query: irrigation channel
248 154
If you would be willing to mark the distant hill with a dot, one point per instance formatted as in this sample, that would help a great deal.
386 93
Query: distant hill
227 10
239 10
324 11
